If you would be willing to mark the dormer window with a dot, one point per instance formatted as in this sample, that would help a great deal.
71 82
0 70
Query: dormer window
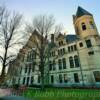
60 43
83 26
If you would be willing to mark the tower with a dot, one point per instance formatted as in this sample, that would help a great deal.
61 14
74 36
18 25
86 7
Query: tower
84 23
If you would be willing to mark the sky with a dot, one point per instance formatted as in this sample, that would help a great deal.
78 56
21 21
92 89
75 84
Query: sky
61 9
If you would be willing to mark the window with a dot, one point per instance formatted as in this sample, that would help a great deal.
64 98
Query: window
81 44
72 49
76 78
92 26
69 49
19 81
76 59
63 50
50 65
39 78
32 80
61 42
29 70
53 53
91 53
88 43
83 26
75 48
60 78
71 62
20 70
65 78
54 65
60 64
64 63
24 80
27 81
33 55
33 66
26 69
50 54
52 79
97 76
58 52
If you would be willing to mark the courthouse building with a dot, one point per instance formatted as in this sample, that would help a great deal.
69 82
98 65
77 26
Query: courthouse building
73 59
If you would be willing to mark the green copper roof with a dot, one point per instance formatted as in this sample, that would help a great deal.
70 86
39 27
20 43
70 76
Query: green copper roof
81 12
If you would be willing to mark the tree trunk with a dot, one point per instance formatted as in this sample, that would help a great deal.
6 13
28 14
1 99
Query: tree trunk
42 81
3 71
42 74
2 76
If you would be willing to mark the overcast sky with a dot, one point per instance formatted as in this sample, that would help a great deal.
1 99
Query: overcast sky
61 9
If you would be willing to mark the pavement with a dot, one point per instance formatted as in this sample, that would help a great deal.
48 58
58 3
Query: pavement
13 98
5 92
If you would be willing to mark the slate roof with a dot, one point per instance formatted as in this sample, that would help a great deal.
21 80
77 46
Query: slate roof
71 38
80 12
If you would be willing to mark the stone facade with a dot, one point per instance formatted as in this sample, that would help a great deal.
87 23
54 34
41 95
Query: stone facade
73 59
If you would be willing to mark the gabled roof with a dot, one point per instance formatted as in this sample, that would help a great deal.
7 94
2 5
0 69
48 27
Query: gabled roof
81 12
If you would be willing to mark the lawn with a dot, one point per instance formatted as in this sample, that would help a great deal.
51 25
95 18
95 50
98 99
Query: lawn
64 94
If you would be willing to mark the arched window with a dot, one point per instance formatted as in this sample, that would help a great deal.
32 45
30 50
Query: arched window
92 26
61 42
76 59
71 62
61 51
58 52
83 26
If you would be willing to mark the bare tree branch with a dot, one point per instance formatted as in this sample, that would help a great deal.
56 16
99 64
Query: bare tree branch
1 58
10 36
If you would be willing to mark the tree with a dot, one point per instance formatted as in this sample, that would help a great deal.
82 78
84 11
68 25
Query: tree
44 25
11 37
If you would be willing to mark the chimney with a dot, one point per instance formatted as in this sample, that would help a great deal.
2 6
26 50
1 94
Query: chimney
52 38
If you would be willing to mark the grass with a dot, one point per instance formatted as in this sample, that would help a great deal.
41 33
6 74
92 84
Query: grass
65 94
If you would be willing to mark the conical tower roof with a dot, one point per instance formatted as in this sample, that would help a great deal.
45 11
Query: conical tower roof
81 12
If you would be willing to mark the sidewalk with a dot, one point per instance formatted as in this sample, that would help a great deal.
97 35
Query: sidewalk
5 92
